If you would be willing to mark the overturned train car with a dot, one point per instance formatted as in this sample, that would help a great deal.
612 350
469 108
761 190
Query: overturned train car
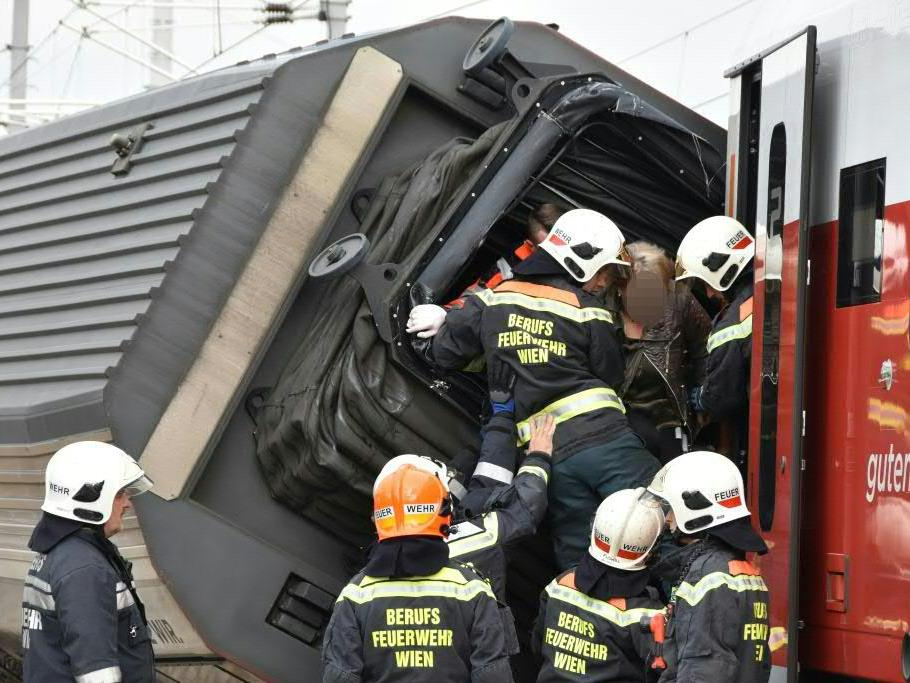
155 294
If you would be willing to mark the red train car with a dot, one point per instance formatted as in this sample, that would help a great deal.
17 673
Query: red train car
819 168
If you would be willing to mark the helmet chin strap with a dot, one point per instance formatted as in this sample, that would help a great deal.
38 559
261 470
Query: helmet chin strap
681 537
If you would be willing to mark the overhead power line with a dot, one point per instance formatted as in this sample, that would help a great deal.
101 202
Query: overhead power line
294 7
84 32
81 4
682 34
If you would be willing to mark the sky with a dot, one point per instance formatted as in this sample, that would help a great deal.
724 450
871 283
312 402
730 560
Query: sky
97 51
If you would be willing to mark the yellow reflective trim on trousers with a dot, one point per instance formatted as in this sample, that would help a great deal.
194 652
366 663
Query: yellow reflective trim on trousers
578 315
694 594
536 471
739 331
565 409
629 617
488 538
417 588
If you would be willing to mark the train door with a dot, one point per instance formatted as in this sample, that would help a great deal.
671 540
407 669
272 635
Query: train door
768 190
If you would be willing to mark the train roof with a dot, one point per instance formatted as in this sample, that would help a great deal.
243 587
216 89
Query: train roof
153 287
109 283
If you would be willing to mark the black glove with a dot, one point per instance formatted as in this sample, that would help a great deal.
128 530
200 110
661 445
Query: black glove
501 383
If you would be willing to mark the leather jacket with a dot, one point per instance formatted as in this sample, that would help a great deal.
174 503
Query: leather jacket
669 357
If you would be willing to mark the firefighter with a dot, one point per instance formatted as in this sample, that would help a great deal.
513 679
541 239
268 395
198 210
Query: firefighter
548 325
590 621
718 252
500 506
717 620
413 614
540 221
82 618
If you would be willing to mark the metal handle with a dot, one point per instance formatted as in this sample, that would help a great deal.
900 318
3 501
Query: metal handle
886 376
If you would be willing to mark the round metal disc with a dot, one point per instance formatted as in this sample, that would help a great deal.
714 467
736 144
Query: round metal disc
340 257
489 46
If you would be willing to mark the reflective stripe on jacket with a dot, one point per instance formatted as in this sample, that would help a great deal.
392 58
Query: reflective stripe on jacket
443 628
510 513
718 629
80 621
579 637
725 392
560 342
571 406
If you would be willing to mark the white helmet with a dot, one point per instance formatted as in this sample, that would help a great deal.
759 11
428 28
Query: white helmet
716 250
703 489
626 527
421 462
584 241
83 478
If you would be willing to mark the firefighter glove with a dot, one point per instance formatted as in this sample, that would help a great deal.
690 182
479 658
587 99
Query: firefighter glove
501 383
426 320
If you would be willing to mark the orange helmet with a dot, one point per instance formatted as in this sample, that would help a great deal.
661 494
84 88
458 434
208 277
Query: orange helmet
411 498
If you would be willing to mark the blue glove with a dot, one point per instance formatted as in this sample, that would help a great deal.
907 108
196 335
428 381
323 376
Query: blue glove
507 407
695 394
501 383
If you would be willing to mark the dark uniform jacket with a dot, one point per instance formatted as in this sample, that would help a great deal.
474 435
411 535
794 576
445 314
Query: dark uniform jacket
718 621
510 513
443 628
562 345
579 637
81 620
501 506
725 391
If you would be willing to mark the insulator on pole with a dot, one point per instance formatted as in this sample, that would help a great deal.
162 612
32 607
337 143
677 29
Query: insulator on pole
278 13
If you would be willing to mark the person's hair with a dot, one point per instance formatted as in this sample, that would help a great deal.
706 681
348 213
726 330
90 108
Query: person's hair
646 256
544 217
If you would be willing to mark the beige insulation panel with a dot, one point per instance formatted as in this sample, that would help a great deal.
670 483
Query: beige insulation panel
21 492
255 305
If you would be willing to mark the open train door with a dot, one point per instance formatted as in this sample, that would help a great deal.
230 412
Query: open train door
768 152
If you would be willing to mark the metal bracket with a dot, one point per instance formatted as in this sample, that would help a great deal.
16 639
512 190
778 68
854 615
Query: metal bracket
347 257
125 146
494 77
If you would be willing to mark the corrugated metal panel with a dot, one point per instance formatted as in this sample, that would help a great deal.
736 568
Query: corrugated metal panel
83 255
83 252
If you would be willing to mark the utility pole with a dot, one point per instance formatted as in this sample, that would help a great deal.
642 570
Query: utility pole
335 15
163 37
18 64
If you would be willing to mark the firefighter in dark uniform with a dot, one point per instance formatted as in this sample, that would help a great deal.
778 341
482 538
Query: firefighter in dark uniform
82 618
590 621
548 325
718 251
717 620
413 614
499 505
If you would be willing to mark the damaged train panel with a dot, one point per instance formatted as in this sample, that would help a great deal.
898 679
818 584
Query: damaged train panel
157 294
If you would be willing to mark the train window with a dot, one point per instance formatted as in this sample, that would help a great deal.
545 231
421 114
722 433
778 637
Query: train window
861 230
770 353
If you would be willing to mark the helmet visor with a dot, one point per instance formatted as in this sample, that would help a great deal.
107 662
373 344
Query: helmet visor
440 468
623 258
681 272
138 486
649 499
